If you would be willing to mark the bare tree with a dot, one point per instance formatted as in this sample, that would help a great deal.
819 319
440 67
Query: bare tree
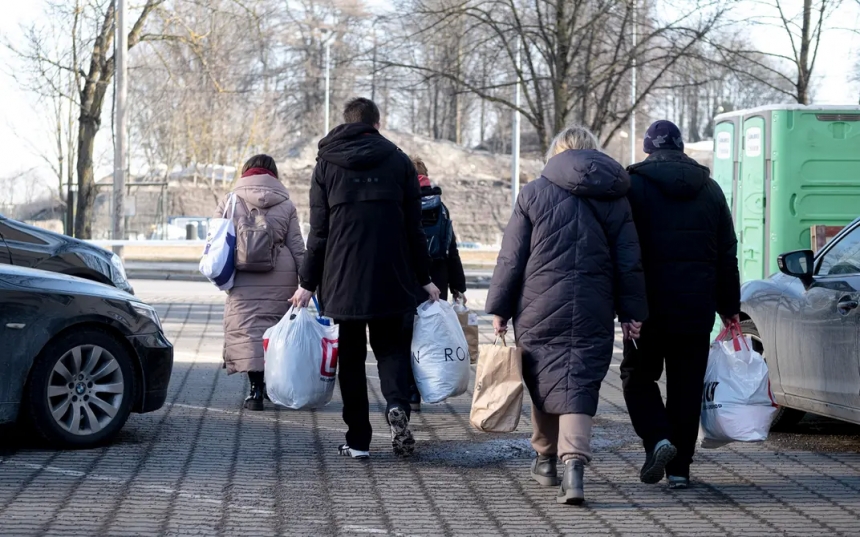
803 24
83 47
577 55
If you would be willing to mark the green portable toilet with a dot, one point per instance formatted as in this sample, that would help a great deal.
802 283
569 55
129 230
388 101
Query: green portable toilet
785 168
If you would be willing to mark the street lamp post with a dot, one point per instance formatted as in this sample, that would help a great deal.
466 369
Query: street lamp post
515 141
633 91
327 78
120 94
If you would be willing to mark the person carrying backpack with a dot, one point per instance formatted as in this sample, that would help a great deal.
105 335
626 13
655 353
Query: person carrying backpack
269 251
446 268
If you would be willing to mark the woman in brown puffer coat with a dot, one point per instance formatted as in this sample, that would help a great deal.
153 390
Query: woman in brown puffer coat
258 300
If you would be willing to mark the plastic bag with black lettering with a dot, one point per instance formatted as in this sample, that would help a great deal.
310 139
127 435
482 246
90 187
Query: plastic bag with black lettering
440 354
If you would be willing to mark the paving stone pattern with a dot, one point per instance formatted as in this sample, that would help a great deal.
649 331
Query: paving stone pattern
203 466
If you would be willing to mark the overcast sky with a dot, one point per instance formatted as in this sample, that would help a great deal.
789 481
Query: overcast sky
23 130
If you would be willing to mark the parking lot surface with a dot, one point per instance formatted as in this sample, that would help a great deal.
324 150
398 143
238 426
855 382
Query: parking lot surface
203 466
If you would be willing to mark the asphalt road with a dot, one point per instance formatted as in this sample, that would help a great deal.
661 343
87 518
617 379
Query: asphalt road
203 466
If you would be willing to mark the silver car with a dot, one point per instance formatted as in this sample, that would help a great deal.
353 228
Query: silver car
806 323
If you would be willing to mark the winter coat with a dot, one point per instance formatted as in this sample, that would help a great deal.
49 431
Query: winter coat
366 246
569 262
689 247
446 273
258 300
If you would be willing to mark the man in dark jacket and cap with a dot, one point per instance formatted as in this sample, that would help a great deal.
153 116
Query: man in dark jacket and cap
689 251
365 250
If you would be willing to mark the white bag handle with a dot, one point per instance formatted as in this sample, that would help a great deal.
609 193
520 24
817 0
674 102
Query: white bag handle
231 204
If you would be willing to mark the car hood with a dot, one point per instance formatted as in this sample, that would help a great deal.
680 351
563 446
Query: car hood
40 280
60 243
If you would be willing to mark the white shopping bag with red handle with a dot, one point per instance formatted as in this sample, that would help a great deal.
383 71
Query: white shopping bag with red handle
737 404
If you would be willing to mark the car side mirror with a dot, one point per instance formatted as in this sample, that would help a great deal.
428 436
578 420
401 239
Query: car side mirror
799 264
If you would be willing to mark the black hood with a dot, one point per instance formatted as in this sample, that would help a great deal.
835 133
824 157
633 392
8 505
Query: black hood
355 146
588 173
674 173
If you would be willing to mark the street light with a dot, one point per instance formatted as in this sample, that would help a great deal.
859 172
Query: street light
327 35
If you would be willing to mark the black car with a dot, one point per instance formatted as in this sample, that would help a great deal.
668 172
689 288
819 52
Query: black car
77 357
28 246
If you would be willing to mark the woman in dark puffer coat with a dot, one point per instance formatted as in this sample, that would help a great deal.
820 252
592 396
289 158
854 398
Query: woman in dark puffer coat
570 262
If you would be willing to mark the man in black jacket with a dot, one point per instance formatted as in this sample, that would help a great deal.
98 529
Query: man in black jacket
689 251
365 250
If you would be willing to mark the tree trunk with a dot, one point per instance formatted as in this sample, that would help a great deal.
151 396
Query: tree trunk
88 127
803 67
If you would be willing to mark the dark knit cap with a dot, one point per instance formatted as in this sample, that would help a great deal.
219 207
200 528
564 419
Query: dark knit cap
663 135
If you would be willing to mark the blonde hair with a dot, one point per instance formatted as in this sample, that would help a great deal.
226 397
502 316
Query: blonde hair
574 137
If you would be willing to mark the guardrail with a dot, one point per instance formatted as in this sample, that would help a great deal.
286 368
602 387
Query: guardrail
147 243
202 243
171 253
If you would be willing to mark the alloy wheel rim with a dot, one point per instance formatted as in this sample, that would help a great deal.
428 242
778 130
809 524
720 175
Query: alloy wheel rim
85 389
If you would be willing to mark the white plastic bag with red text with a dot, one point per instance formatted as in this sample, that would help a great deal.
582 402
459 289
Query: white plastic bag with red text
301 360
440 353
737 404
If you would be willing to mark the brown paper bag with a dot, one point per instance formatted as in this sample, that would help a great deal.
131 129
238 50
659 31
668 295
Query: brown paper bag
498 399
469 322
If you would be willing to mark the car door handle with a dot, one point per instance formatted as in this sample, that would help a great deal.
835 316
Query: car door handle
846 304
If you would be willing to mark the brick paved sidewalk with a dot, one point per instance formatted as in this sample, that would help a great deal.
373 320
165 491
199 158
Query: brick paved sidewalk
203 466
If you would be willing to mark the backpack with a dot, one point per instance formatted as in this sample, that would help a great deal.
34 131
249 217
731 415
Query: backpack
255 242
437 226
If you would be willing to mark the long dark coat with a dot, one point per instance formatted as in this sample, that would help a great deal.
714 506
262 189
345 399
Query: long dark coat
366 247
446 273
569 263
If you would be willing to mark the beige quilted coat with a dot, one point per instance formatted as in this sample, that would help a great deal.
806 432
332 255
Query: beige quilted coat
257 300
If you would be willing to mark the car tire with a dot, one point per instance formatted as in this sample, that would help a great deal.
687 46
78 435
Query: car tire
81 389
785 417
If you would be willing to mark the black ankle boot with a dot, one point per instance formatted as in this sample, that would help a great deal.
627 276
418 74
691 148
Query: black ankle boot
545 470
254 401
571 491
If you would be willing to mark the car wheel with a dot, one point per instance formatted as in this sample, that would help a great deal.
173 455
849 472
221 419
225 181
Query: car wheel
81 389
785 417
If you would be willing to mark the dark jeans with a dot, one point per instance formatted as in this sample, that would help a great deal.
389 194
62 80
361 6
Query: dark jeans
391 341
686 358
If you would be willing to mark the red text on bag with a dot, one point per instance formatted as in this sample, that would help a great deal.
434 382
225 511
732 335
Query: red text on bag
328 368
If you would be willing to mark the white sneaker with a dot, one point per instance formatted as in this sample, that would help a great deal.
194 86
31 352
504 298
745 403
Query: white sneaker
347 451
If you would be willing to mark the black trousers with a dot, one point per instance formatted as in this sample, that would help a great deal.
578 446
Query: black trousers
686 359
391 341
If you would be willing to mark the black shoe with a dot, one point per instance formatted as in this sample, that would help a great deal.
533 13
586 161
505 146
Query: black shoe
655 463
571 491
266 393
254 401
401 437
545 471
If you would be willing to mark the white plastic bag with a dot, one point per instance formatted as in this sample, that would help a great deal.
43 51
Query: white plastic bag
440 354
737 404
301 360
218 263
